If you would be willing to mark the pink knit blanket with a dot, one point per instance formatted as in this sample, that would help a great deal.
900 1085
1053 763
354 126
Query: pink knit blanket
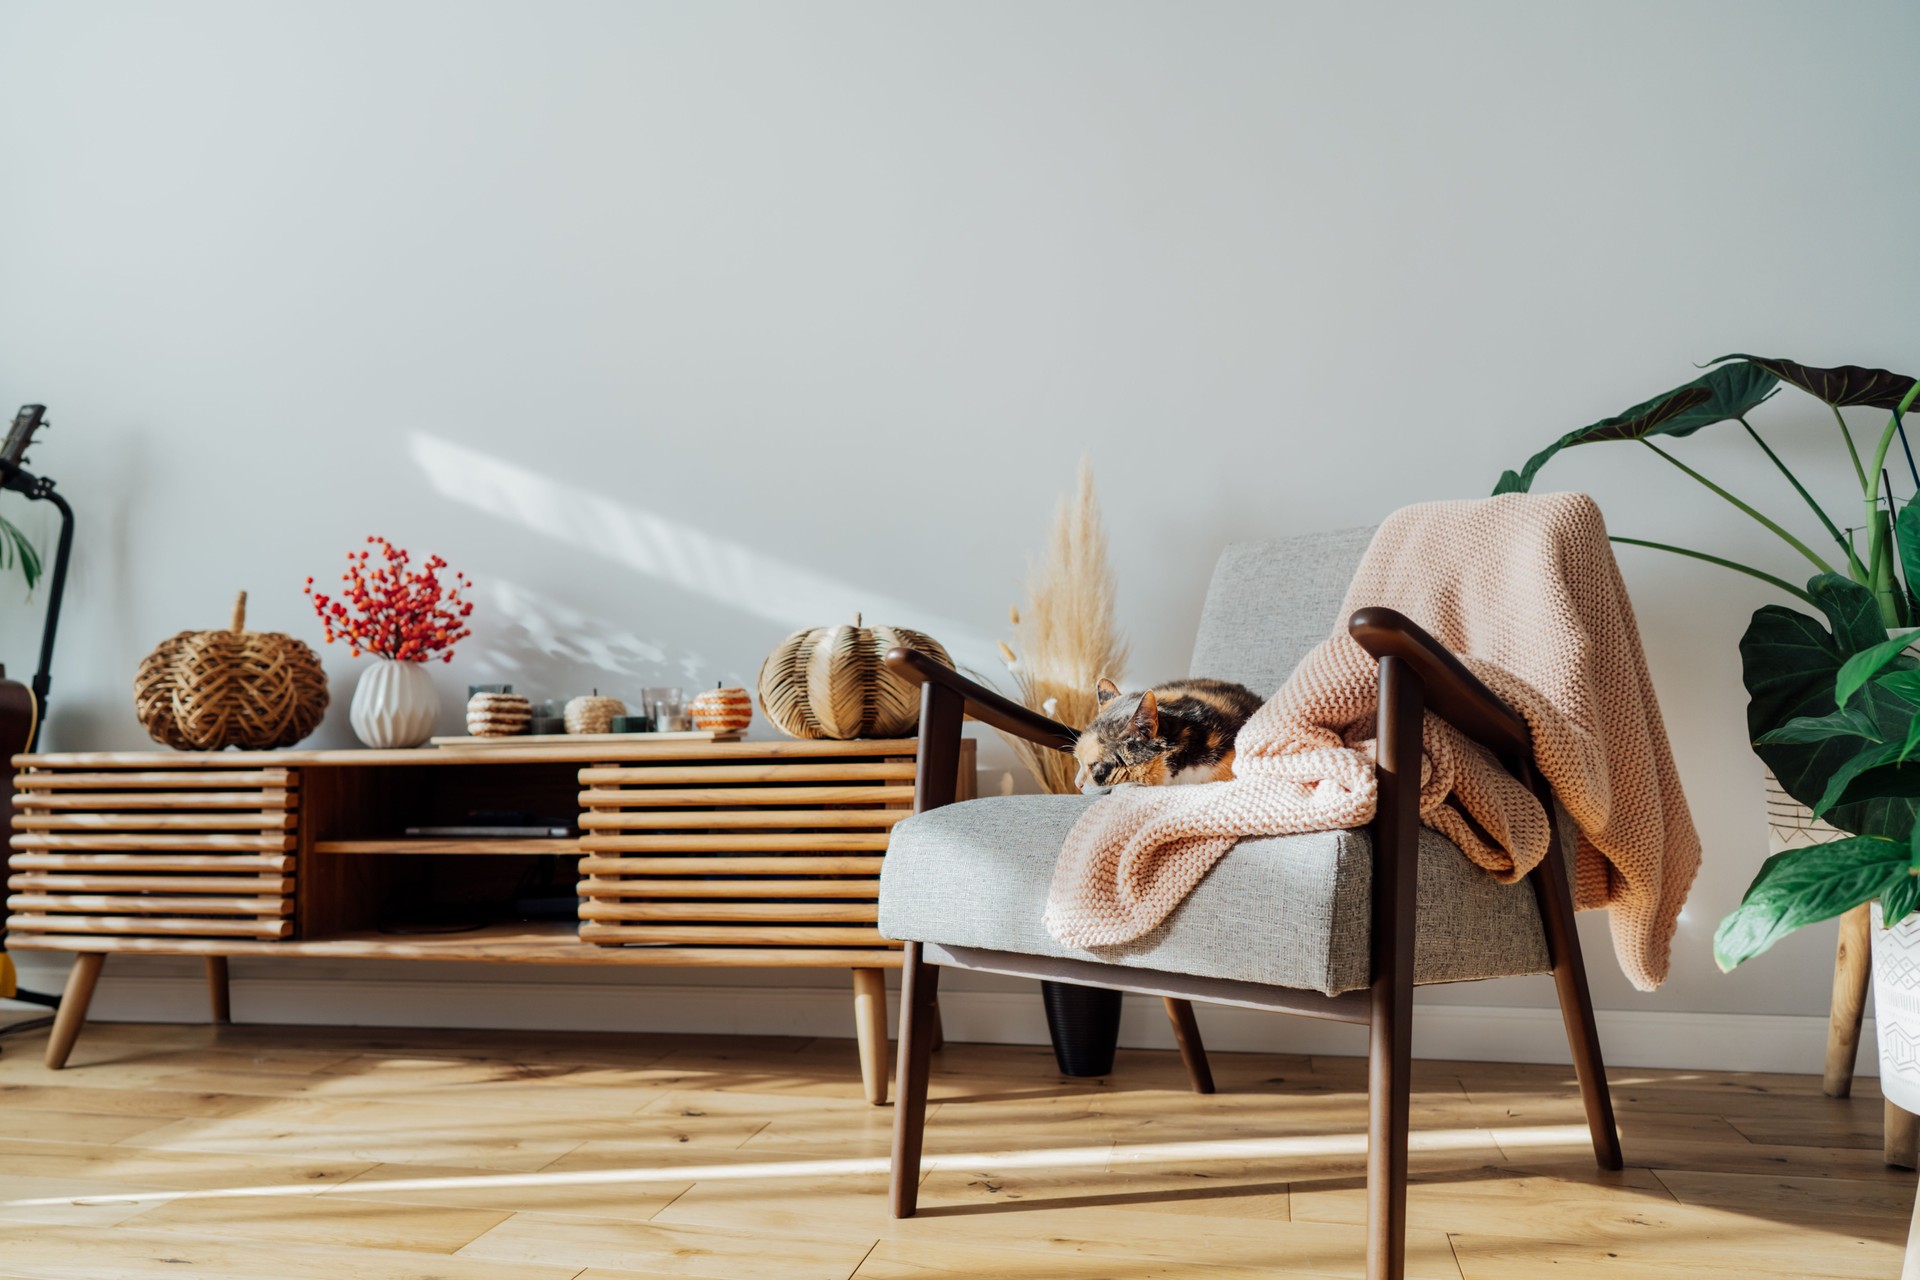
1522 587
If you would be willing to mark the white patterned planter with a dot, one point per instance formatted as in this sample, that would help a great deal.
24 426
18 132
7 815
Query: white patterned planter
394 705
1790 824
1896 1008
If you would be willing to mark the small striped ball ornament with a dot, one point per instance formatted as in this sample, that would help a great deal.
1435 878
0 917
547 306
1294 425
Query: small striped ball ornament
722 710
498 715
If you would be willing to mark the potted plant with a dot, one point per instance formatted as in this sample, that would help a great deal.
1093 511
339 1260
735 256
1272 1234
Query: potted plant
1834 709
405 618
1844 700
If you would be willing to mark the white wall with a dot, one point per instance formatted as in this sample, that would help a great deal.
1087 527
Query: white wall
679 326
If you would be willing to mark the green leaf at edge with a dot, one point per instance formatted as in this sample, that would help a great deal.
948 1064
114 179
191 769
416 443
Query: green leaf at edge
1862 667
1719 395
1803 886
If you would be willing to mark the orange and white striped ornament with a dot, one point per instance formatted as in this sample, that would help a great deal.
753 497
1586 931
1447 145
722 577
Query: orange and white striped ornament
722 710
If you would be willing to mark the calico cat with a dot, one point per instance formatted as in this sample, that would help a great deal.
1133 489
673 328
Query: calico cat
1177 732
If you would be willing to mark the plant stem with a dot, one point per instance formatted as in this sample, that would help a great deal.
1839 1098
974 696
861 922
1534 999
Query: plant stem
1858 570
1852 452
1734 565
1779 532
1869 492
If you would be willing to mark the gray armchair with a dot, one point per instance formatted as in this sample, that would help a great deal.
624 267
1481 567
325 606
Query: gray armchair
1334 924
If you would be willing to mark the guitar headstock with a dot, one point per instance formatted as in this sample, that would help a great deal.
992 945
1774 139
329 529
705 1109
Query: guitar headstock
20 436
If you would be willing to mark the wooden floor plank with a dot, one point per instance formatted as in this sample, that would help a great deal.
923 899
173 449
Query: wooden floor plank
715 1253
128 1253
338 1220
320 1154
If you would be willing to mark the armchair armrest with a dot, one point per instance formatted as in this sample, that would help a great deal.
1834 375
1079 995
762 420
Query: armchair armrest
982 703
1452 692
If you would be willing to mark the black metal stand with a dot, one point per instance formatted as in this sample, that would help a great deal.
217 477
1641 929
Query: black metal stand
39 489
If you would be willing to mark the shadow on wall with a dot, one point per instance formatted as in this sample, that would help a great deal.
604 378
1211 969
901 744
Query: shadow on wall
690 559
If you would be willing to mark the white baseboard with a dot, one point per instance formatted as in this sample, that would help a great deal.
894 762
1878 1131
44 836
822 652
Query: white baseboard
1706 1041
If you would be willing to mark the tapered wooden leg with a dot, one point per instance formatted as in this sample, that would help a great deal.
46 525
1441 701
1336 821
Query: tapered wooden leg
73 1007
870 1024
939 1029
217 996
1901 1133
1193 1054
920 985
1852 968
1555 900
1396 869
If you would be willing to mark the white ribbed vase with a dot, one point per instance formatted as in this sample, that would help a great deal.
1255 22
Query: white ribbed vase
394 705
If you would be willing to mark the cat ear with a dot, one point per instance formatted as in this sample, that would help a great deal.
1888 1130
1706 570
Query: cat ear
1106 690
1146 719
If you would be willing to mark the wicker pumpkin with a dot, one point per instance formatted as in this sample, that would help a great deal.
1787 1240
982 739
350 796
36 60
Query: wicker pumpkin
722 710
833 682
591 713
208 690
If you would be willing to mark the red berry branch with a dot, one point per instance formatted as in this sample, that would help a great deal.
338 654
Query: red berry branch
389 611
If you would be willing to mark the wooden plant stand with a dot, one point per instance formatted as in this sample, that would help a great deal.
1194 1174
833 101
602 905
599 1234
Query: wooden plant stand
690 853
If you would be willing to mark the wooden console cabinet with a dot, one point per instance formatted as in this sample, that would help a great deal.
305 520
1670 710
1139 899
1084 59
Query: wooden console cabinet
689 853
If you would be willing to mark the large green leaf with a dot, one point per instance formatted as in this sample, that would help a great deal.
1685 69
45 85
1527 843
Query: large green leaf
1852 610
1790 663
1899 898
1802 886
1865 665
1864 759
1906 537
1727 392
1839 386
1848 722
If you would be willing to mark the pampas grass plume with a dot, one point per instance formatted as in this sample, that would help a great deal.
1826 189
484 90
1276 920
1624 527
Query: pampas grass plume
1066 632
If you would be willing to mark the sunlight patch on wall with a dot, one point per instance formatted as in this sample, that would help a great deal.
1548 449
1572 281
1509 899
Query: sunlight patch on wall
691 559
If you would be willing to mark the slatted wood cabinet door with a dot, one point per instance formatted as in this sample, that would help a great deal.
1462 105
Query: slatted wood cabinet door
155 853
749 853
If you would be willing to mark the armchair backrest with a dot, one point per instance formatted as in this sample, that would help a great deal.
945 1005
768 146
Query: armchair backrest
1271 601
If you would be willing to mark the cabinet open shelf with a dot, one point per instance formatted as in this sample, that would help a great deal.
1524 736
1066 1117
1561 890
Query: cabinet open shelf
428 844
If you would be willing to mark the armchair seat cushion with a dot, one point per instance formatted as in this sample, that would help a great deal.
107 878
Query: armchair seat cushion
1287 911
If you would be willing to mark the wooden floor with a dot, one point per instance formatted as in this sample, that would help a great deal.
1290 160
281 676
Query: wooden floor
304 1154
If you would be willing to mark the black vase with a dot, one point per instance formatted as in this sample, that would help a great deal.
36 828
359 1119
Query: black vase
1084 1023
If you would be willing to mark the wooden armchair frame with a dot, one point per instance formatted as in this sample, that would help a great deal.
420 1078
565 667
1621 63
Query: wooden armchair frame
1417 675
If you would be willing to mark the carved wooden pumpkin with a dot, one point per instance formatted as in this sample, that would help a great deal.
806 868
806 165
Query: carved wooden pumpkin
208 690
722 710
833 682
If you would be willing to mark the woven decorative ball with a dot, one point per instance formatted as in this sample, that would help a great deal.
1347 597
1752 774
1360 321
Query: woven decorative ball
722 710
833 682
498 715
593 713
208 690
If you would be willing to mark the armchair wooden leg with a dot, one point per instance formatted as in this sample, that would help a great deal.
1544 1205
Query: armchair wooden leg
920 987
74 1000
939 1029
217 993
1396 878
1193 1053
1852 969
1576 1006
